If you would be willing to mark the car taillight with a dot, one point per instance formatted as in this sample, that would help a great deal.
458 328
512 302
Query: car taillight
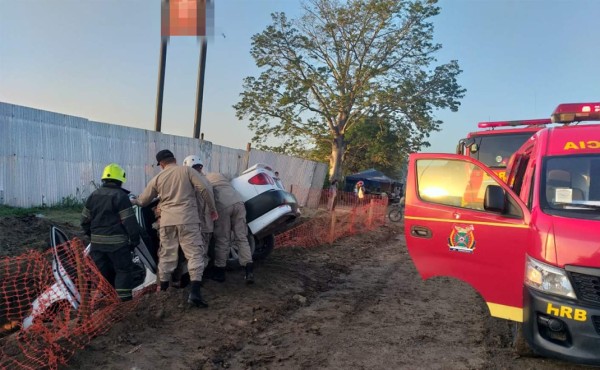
261 179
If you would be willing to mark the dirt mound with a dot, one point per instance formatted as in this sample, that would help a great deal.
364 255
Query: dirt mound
21 233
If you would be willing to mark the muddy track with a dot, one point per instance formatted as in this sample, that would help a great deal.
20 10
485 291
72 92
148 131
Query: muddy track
356 304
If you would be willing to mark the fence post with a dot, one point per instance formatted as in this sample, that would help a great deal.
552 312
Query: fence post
332 228
352 220
370 215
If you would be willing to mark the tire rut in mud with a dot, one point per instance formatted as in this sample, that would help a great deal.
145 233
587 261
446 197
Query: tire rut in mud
363 281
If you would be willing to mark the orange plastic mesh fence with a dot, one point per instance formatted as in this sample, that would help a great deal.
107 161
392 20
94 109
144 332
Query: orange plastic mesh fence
69 321
348 218
60 329
322 198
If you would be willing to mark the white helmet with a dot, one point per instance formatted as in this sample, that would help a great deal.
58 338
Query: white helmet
192 160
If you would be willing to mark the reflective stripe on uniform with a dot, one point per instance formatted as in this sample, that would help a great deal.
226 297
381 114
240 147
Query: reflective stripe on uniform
109 239
126 213
124 293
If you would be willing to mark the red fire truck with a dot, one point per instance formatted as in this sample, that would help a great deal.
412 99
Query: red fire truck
531 247
494 147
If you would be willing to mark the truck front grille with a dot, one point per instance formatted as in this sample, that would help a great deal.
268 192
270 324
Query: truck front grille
587 287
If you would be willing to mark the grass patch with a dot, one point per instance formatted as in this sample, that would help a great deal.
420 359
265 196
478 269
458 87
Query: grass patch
63 214
6 211
59 213
67 210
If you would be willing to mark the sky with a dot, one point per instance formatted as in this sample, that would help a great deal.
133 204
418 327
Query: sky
99 59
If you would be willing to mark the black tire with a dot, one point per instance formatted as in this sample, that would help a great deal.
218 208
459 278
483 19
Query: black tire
263 247
395 214
519 343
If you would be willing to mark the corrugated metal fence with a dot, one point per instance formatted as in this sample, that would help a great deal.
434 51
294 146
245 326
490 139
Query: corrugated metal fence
46 157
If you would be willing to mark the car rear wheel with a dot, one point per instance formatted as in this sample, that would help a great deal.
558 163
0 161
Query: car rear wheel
263 247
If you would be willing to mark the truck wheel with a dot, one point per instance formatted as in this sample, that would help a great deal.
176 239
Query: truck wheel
519 344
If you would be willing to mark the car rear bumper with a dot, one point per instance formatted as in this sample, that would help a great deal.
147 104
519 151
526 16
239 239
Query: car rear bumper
562 328
268 211
268 201
272 221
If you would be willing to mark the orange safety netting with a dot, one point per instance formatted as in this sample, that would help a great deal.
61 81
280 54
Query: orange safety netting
347 216
61 329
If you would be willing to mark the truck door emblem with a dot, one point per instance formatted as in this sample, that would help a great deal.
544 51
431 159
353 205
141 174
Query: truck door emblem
462 239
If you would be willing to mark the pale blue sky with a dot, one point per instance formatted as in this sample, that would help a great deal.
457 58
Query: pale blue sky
99 60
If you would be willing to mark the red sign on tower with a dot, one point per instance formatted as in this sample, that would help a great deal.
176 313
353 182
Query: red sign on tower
183 18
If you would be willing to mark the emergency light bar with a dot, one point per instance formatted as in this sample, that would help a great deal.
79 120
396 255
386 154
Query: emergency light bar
575 112
525 122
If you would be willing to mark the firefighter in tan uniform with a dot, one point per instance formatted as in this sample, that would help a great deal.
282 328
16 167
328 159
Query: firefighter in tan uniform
206 222
177 188
232 220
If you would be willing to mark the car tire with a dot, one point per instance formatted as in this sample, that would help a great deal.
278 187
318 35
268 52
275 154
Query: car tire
262 247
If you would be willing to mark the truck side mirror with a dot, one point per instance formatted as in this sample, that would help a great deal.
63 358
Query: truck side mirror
494 199
462 144
474 148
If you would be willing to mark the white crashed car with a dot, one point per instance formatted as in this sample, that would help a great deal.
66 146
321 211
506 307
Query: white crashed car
269 208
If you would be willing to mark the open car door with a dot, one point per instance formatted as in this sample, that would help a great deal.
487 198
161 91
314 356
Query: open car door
450 234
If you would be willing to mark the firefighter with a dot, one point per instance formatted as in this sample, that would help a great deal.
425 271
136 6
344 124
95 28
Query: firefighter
177 188
206 222
110 222
232 220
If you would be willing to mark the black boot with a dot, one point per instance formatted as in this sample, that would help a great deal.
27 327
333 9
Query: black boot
249 273
195 297
218 274
164 285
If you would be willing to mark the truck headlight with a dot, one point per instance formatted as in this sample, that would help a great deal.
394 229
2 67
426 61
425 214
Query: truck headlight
548 279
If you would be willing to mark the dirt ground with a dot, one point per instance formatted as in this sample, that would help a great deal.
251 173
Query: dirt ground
358 304
31 231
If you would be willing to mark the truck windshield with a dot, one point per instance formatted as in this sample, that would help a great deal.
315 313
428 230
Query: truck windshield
495 150
572 186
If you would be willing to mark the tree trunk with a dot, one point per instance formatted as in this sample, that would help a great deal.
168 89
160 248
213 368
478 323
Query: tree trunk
338 148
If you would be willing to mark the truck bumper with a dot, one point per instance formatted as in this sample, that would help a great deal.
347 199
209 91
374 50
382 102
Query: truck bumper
561 328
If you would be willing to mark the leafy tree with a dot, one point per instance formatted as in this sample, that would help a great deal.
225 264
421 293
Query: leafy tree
375 143
340 63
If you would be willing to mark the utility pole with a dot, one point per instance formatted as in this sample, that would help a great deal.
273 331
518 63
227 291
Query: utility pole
161 83
200 89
